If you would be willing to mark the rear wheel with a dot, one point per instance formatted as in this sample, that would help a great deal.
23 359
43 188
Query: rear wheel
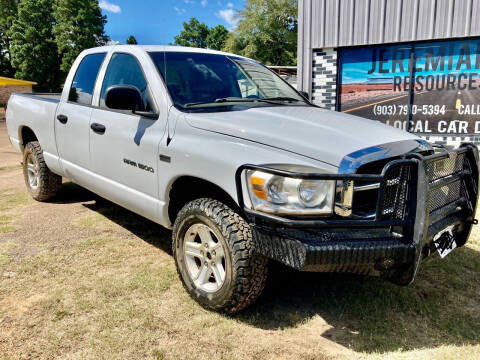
41 182
214 253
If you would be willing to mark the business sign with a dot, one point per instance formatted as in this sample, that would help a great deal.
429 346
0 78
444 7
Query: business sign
426 88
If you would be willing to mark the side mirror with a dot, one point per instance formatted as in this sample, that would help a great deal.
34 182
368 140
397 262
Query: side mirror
304 94
124 97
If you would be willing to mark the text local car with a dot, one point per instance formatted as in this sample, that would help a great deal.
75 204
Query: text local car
243 169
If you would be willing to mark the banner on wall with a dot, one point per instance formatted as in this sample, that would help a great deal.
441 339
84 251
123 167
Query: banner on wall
426 88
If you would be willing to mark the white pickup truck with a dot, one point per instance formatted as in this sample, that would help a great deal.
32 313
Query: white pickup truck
244 169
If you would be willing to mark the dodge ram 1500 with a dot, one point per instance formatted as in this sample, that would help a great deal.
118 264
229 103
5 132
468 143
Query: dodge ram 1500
244 169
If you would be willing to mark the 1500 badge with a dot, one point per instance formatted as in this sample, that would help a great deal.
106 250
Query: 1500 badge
138 165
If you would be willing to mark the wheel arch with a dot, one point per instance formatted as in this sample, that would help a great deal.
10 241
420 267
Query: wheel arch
187 188
26 135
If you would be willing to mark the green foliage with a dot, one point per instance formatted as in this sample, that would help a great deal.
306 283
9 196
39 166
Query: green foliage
34 52
46 36
8 11
194 34
266 31
131 40
79 25
197 34
217 37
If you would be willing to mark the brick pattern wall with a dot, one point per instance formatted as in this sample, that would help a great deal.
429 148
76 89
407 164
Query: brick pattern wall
453 141
6 91
324 87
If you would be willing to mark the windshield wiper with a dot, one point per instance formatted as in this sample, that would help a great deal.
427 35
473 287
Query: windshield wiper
218 101
272 100
279 98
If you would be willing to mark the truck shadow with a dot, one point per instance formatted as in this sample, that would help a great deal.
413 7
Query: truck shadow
145 229
368 314
364 314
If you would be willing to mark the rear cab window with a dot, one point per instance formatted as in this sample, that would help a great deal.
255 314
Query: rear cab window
81 91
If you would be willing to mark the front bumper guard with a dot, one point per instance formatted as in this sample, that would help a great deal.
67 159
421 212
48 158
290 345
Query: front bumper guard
418 197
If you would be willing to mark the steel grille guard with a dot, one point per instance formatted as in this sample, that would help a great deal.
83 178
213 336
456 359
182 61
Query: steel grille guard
415 220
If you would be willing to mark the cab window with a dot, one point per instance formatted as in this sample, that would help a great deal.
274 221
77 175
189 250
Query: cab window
124 69
85 78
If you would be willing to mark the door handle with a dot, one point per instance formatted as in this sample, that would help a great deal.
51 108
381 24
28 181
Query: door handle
62 118
98 128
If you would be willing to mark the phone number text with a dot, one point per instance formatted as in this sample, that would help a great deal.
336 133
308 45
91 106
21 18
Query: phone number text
403 109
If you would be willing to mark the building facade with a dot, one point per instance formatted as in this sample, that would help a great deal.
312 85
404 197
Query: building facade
413 64
9 86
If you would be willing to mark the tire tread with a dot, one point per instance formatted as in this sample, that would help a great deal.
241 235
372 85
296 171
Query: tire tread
49 183
250 268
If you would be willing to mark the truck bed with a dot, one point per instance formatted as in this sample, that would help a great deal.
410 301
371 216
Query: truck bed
34 112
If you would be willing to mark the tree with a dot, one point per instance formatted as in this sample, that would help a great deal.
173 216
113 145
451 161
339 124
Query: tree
197 34
194 34
131 40
34 53
217 37
79 25
266 31
8 12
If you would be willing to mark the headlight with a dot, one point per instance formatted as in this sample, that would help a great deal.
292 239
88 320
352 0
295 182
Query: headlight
290 196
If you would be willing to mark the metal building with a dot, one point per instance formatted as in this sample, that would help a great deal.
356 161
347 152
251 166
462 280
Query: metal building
413 64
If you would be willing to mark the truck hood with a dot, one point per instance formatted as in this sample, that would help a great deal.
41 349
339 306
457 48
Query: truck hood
320 134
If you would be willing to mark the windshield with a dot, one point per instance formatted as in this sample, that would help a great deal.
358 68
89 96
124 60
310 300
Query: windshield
199 80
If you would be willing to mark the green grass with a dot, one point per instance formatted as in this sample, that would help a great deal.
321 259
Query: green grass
5 250
10 167
98 293
9 199
5 225
158 354
101 219
94 221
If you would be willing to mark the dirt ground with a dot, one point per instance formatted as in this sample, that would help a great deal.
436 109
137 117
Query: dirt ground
81 278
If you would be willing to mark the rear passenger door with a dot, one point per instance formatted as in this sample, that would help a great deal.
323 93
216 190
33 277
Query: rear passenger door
125 154
72 122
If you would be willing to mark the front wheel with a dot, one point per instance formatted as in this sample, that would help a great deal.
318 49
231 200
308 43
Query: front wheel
214 253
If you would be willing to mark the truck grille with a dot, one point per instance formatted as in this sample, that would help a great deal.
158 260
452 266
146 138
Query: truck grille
446 181
445 167
390 199
396 186
444 195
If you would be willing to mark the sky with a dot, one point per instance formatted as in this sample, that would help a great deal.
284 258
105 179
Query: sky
157 22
